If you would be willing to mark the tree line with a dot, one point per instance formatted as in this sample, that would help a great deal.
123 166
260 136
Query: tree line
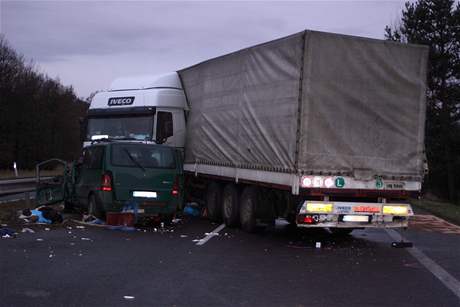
436 23
39 117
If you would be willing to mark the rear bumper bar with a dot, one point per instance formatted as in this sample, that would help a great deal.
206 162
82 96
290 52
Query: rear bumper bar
353 215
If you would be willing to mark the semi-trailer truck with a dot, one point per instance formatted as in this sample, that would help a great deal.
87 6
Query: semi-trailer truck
325 130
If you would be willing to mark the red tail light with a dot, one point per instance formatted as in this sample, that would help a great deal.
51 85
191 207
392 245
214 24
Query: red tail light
106 184
175 187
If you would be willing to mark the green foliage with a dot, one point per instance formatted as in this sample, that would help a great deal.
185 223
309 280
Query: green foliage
436 23
39 117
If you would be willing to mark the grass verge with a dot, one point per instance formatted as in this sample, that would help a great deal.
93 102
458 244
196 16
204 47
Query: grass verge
449 212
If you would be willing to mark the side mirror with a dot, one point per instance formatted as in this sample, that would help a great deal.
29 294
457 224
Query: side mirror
164 127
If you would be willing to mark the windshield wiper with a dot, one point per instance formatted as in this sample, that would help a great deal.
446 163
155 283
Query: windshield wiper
133 159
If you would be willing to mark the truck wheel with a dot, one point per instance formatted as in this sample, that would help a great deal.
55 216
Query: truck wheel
94 208
248 206
341 232
230 205
214 201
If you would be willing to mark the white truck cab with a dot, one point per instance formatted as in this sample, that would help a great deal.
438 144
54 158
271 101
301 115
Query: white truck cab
146 108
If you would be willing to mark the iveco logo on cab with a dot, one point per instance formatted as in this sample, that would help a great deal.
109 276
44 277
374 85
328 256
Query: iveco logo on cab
120 101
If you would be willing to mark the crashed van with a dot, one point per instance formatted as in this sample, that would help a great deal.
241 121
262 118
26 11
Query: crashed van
109 176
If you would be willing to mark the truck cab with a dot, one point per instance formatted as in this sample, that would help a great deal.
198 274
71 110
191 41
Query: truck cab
143 108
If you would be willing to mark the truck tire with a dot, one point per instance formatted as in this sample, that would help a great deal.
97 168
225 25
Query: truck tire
214 201
230 205
94 208
248 205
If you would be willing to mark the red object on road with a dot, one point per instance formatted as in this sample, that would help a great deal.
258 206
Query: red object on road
120 219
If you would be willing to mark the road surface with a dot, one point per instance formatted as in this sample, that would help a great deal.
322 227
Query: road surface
277 267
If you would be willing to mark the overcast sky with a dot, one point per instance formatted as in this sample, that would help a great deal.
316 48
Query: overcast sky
89 43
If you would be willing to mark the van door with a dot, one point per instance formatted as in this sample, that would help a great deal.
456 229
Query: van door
90 172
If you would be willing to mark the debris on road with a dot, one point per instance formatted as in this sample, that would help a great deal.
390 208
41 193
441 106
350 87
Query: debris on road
192 209
24 230
40 239
7 233
42 214
401 244
122 228
121 219
128 297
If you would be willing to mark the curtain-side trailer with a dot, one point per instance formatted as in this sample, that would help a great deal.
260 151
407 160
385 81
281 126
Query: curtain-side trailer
325 130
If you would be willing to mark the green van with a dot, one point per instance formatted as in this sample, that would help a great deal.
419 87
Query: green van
111 175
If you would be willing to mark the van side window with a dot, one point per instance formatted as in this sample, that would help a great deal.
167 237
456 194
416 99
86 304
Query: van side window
164 126
92 157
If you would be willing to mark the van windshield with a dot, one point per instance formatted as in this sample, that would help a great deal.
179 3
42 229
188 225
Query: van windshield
145 156
119 127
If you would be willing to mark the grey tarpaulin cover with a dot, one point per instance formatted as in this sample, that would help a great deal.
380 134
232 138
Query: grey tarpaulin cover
312 102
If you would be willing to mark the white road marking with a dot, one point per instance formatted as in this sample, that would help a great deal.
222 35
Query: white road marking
213 233
448 280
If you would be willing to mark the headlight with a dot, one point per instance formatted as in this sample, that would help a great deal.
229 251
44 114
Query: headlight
395 210
319 207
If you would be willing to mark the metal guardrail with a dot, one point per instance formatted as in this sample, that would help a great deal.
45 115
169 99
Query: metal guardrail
16 186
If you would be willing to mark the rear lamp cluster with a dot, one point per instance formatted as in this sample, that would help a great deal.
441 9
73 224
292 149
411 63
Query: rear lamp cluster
317 182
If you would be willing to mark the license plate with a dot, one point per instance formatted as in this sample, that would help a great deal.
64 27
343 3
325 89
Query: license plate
145 194
356 218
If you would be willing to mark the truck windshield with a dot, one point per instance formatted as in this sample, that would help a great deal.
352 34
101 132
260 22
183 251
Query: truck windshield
119 127
143 156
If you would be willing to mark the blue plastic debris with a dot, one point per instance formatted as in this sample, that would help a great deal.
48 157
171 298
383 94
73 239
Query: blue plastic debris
192 209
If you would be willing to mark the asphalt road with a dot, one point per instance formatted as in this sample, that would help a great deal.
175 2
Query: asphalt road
278 267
